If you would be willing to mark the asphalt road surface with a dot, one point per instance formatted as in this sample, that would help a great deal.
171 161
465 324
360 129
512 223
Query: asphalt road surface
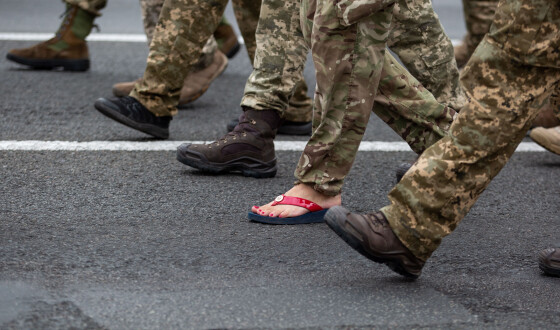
133 239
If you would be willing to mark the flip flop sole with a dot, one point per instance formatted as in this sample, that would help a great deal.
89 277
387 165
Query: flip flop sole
311 217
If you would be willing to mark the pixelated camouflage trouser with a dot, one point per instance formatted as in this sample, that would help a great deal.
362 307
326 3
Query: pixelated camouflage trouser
177 43
92 6
150 16
509 77
417 37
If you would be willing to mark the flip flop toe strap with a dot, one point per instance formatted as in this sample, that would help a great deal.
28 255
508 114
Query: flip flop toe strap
296 201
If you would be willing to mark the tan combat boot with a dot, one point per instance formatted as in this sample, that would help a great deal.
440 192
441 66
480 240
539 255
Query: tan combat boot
67 50
195 84
548 138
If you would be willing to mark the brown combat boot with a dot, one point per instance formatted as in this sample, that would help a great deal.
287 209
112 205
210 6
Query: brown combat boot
549 261
67 50
548 138
371 235
226 39
195 85
248 149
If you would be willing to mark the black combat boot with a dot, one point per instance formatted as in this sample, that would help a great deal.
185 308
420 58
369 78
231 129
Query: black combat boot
130 112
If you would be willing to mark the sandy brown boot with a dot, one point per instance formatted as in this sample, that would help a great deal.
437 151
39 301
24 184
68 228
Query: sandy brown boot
67 50
197 83
124 88
548 138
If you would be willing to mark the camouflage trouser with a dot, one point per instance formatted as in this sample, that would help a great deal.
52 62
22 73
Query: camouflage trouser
279 61
419 40
150 15
509 77
177 44
479 15
92 6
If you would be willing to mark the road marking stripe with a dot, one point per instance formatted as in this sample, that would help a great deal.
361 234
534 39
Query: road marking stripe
32 145
115 37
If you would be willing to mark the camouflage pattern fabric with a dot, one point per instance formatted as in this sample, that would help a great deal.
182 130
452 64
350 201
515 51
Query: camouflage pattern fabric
478 18
279 61
91 6
177 44
419 40
348 62
508 79
150 15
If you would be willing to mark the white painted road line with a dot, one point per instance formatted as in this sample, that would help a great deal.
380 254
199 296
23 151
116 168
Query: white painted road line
115 37
31 145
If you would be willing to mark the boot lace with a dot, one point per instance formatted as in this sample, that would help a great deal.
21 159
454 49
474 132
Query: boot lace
66 16
239 130
377 218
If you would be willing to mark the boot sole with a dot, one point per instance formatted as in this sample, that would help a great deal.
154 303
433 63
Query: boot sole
152 130
68 65
551 271
233 51
256 170
331 218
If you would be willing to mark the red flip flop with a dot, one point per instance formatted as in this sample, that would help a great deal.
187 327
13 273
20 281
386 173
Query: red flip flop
315 215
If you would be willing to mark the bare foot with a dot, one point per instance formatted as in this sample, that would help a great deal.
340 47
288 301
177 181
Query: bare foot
289 211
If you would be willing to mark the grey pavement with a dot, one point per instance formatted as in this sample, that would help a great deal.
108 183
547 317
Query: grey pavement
136 240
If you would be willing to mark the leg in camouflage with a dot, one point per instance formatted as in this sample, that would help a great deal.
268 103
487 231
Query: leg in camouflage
478 18
68 49
175 48
177 45
279 62
419 40
509 77
348 51
209 66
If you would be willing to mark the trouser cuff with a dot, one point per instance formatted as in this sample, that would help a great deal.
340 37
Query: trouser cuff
403 227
